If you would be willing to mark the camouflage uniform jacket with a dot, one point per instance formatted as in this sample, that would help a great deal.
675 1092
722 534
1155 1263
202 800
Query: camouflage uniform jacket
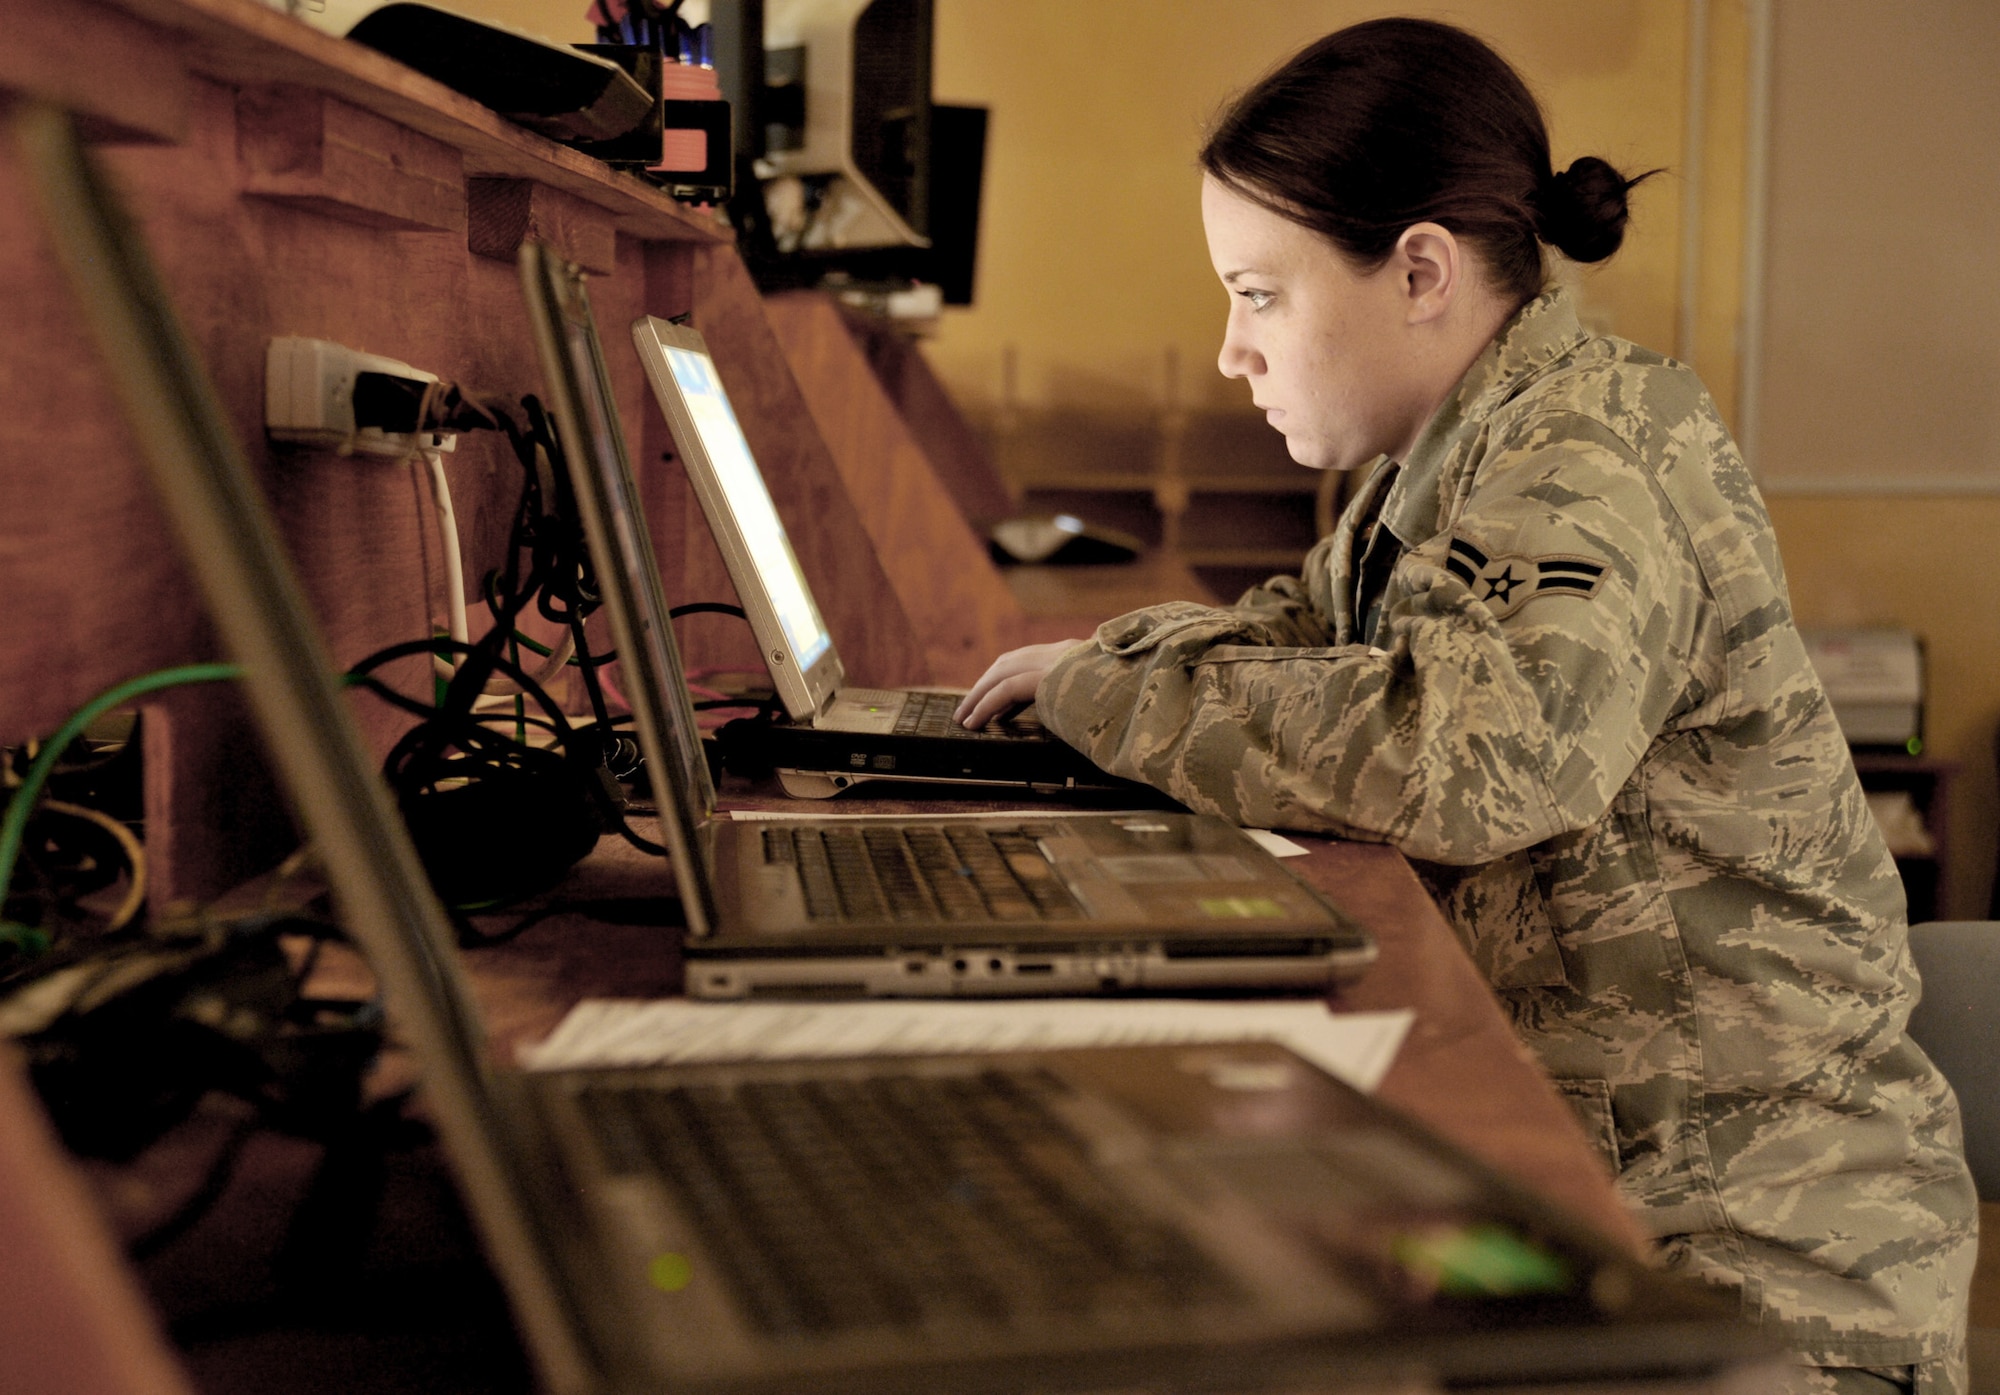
1587 719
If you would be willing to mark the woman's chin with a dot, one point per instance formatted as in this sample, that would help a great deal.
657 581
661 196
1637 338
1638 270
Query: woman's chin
1336 461
1317 455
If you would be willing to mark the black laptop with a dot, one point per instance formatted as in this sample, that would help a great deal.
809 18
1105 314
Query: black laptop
836 736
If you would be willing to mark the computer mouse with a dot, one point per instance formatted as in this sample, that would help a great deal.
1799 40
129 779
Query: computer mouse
1062 540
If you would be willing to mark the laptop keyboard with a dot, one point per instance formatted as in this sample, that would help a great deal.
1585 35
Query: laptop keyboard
928 874
836 1205
929 714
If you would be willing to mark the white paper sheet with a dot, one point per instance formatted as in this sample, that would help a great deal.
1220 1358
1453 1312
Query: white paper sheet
1356 1046
1276 844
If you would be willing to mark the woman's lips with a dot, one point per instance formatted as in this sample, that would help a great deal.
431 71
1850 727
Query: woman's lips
1274 415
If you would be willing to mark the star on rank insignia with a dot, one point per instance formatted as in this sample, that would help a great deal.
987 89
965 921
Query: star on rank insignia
1506 584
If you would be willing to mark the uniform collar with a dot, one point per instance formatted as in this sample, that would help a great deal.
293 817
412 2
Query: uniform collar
1542 331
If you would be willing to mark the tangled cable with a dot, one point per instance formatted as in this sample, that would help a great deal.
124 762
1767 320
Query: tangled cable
497 814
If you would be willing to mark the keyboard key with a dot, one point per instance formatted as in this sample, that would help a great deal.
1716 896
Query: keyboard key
927 874
929 714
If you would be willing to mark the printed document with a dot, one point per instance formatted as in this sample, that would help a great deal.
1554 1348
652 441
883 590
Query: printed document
1356 1046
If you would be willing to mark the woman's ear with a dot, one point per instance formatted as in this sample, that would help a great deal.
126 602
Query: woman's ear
1430 266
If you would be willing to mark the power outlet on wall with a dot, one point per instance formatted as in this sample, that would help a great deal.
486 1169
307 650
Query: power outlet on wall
323 394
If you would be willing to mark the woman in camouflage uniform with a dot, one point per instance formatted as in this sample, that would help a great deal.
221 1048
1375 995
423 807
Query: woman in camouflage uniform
1548 654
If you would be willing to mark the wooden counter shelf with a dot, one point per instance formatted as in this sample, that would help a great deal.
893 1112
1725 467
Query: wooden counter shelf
85 58
289 183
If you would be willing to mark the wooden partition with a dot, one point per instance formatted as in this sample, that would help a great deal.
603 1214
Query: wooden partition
847 556
927 488
937 564
961 459
290 183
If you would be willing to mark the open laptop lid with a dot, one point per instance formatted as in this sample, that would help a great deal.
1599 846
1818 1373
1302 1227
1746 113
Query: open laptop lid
797 647
231 545
600 472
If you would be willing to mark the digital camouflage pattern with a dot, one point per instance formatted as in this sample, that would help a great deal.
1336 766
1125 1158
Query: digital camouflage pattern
1551 658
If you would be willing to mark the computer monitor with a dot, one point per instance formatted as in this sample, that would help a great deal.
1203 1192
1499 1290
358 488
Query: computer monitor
848 113
958 165
864 174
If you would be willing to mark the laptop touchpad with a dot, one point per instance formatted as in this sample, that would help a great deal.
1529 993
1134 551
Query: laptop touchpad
1175 867
862 710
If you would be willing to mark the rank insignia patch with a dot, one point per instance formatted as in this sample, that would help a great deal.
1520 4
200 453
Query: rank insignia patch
1506 584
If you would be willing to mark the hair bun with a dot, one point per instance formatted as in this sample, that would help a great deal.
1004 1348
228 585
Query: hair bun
1582 211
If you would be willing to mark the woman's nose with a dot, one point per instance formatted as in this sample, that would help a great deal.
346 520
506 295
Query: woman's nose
1237 359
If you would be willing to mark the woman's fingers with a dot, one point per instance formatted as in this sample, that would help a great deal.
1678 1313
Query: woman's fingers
1010 682
1012 692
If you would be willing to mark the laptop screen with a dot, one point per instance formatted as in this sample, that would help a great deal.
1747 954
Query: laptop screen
621 547
755 515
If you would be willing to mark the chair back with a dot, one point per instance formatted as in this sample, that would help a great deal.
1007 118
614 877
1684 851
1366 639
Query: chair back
1958 1026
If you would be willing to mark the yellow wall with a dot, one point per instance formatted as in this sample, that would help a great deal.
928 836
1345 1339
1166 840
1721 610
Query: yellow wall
1883 165
1715 318
1882 293
560 20
1092 262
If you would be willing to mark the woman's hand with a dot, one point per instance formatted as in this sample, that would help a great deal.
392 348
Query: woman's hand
1011 682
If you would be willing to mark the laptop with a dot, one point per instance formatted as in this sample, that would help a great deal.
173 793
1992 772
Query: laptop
837 736
1161 1218
917 905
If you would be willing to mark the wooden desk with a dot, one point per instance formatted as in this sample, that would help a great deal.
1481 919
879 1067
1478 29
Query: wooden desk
409 1305
1462 1070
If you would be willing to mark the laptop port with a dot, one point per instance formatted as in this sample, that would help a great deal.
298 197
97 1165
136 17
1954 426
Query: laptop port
1034 966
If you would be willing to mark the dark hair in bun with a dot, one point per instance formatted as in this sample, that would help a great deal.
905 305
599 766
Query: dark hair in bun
1582 211
1401 121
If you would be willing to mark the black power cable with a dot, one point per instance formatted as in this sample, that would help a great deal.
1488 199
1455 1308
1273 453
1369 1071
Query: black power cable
496 818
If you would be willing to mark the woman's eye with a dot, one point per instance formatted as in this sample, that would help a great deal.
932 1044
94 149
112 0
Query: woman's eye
1258 299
